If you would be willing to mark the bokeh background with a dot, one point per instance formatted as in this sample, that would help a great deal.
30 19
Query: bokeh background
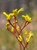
8 40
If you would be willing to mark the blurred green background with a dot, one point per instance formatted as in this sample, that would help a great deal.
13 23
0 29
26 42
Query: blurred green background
8 40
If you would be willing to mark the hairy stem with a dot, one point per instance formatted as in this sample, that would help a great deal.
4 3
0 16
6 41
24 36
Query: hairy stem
20 46
24 27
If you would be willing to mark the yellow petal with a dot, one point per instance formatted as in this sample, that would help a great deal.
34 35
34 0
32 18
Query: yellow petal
29 20
20 10
30 34
11 14
5 14
23 16
27 40
14 11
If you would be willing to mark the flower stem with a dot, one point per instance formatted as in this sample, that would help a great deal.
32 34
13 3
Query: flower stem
20 46
24 27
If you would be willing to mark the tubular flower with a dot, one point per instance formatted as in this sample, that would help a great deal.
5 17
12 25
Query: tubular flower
16 21
17 28
7 26
8 16
13 24
27 40
12 29
20 38
30 35
16 11
27 18
11 14
13 17
20 10
5 14
25 32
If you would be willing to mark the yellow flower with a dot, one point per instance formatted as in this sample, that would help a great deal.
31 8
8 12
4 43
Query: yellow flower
20 38
15 11
27 40
11 14
30 34
5 14
17 28
14 24
7 26
25 32
9 17
27 18
20 10
13 17
16 21
23 16
12 29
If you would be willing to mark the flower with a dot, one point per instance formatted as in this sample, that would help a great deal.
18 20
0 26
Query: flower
27 40
25 32
16 11
30 35
13 24
5 14
17 28
14 14
7 25
27 18
20 10
12 29
16 21
11 14
13 17
9 17
20 38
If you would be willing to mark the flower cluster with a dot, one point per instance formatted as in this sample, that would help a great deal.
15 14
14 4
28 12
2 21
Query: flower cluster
16 28
27 18
14 14
28 37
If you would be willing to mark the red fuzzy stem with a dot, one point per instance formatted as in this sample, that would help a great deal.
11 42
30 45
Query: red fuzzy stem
12 32
24 27
19 25
20 46
26 45
15 34
22 24
13 26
